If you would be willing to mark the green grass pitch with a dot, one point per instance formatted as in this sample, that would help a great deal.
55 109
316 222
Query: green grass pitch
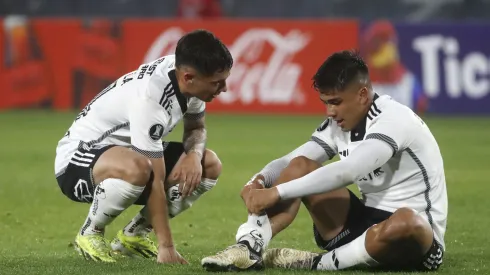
37 222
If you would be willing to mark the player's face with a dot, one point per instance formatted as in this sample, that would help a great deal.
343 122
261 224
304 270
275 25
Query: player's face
347 108
207 88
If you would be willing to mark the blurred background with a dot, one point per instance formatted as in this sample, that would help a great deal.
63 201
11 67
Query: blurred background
430 55
56 55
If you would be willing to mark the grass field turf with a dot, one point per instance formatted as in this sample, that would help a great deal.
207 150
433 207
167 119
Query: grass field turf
37 222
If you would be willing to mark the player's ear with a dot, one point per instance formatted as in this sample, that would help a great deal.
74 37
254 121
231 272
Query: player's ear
364 95
189 78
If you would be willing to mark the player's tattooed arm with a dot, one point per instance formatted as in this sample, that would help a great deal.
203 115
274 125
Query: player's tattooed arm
195 134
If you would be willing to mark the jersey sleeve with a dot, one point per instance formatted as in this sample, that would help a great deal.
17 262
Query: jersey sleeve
365 158
196 109
393 130
273 169
324 136
148 123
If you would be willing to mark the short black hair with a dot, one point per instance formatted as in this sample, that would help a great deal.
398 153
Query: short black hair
203 51
339 70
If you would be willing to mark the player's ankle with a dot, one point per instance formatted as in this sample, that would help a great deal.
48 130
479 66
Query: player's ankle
252 243
91 232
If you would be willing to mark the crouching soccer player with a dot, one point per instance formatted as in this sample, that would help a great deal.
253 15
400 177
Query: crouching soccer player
386 150
113 155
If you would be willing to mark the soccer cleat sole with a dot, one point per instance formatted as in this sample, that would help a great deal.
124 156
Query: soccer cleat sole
89 257
215 267
129 250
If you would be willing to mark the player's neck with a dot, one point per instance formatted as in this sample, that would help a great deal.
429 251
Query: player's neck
372 97
181 83
368 106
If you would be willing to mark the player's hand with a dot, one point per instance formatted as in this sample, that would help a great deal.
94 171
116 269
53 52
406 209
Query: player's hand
258 200
169 255
189 174
254 184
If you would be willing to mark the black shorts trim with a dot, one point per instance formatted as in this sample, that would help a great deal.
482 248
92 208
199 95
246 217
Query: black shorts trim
77 182
433 259
359 219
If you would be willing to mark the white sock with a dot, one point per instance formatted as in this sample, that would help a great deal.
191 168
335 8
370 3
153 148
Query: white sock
111 198
349 255
140 225
177 205
256 231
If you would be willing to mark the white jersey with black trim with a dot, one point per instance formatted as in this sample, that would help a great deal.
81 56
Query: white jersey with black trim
413 177
137 110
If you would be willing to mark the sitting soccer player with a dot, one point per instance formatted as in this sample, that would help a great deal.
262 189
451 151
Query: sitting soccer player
386 150
113 155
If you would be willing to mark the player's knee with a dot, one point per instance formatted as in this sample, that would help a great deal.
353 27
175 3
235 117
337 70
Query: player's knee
212 165
138 171
312 202
300 166
405 225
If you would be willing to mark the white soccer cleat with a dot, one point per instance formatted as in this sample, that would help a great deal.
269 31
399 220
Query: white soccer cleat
289 258
238 257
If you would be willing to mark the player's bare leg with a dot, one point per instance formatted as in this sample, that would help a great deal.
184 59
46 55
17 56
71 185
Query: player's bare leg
121 176
402 241
133 239
333 209
254 235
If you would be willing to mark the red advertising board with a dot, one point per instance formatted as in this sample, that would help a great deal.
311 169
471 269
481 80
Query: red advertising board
274 60
63 63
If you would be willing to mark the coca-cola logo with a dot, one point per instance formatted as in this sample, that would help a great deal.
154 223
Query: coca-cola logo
263 70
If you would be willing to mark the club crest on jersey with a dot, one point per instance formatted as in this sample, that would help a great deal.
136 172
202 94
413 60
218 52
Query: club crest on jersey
156 131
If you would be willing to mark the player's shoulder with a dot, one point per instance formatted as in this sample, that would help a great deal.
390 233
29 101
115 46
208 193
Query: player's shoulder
327 127
159 69
157 77
385 108
386 111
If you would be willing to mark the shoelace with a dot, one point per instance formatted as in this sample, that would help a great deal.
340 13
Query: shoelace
230 247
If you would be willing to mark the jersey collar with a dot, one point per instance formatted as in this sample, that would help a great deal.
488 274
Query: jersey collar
180 97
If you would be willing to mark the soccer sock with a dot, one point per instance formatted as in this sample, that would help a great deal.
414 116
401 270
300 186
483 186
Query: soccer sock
349 255
177 205
111 198
140 225
257 232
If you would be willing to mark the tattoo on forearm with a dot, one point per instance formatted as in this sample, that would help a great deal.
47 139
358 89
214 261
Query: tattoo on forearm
195 139
195 134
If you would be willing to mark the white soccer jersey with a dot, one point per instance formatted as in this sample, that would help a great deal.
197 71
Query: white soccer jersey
136 111
413 177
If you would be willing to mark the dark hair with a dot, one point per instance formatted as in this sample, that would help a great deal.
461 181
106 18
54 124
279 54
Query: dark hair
203 51
339 70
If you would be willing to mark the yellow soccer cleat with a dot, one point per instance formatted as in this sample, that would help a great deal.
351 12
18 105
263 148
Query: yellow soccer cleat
139 245
94 247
